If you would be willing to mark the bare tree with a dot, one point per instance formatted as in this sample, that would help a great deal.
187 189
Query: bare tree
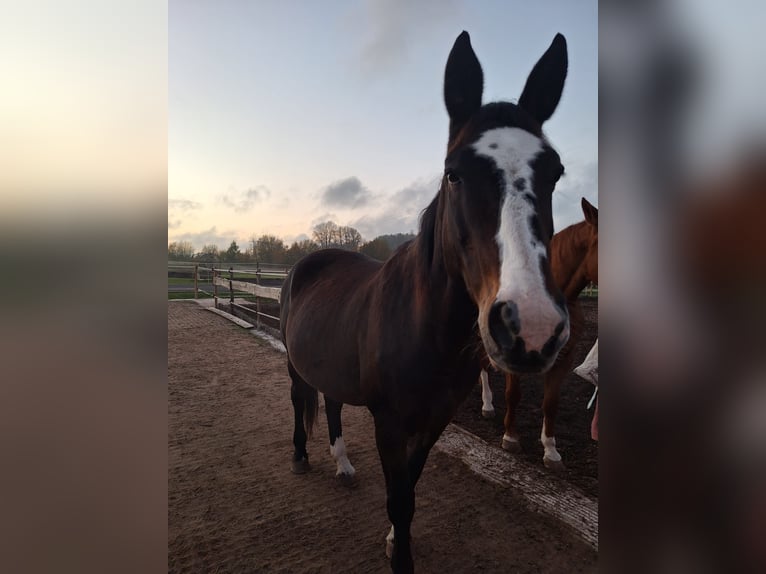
349 238
325 234
209 253
180 251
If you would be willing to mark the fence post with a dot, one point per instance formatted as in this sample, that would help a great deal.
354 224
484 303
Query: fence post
257 298
231 290
215 287
196 274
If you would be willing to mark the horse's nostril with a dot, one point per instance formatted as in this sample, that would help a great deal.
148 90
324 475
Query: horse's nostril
559 328
551 347
510 315
503 324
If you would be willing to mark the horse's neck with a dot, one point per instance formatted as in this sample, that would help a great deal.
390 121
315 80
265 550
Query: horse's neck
441 303
568 251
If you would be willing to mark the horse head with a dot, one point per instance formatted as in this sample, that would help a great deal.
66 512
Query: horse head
495 218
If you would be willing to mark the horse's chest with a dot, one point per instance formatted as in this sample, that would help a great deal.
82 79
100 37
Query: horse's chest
438 393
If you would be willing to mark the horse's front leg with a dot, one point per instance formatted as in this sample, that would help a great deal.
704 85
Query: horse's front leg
551 456
553 379
512 397
392 448
487 408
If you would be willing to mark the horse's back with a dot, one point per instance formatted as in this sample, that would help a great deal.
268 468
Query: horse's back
333 266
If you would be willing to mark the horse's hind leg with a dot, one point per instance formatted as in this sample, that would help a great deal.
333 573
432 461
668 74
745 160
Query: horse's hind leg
345 471
300 462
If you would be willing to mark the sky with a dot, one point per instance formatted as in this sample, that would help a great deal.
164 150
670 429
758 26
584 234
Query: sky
282 115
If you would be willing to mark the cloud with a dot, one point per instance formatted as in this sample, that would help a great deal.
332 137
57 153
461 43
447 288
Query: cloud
324 217
244 201
397 27
288 239
347 193
183 205
207 237
174 224
402 210
580 180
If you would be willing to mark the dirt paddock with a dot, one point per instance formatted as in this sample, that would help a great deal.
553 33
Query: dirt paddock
234 506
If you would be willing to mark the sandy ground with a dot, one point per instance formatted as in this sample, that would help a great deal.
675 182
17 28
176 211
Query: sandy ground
234 506
578 450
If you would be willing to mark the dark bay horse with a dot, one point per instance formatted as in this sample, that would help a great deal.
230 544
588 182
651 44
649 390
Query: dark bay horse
574 264
401 337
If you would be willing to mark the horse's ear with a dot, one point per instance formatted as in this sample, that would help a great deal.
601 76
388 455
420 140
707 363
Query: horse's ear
545 83
591 212
463 83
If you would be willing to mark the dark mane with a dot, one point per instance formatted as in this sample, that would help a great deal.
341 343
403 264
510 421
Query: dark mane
424 243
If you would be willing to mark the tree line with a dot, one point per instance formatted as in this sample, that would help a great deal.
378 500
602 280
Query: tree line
272 249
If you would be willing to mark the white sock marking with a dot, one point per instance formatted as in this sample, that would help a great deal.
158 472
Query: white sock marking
549 445
338 452
486 392
509 438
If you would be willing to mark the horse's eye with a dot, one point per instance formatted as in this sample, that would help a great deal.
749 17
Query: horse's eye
452 177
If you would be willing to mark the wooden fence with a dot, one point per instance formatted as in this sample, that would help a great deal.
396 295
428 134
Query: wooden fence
247 282
225 278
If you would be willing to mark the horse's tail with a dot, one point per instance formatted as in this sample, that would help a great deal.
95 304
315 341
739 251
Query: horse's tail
284 305
310 410
304 392
302 388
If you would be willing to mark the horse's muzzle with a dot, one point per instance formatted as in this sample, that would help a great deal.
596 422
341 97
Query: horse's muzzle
528 344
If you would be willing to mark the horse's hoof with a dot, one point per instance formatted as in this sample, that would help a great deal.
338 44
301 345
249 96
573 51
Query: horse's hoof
488 414
301 466
511 445
347 480
554 465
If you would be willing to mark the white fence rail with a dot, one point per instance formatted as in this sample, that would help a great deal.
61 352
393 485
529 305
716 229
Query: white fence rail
226 278
246 287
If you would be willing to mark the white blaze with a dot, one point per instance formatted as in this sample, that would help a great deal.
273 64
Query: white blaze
521 280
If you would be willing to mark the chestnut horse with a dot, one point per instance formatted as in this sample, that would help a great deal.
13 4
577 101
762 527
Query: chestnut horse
400 337
574 264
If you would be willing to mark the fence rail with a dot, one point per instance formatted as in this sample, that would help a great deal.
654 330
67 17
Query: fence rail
231 280
252 288
225 278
